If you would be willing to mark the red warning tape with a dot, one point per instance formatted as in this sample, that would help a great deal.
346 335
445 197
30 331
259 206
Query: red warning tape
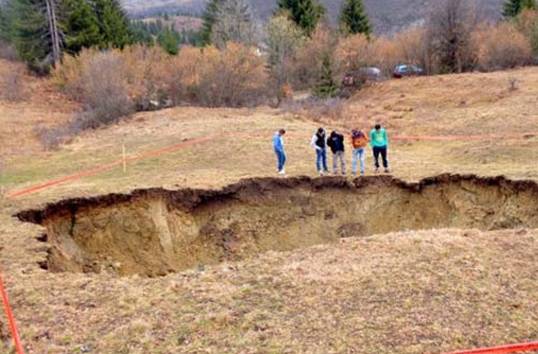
154 153
11 319
513 348
103 168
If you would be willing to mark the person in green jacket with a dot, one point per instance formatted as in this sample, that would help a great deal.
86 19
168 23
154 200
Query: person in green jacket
380 143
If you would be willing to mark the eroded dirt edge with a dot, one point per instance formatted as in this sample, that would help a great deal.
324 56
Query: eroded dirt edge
157 231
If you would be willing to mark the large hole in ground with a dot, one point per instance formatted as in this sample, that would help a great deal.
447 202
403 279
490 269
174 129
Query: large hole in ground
154 232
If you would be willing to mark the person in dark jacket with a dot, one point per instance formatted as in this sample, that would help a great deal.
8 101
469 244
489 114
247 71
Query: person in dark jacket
336 143
319 143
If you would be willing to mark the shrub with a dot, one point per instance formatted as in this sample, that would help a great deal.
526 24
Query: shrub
331 109
52 138
527 23
357 51
7 51
354 52
12 86
147 70
105 90
141 77
413 48
386 54
104 83
307 65
233 77
501 47
68 75
183 75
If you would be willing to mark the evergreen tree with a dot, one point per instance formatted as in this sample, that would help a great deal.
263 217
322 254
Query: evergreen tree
354 19
326 86
79 25
113 23
305 13
512 8
209 18
5 23
169 40
141 33
30 32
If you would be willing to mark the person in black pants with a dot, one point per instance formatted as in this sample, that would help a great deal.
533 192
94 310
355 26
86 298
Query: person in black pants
380 143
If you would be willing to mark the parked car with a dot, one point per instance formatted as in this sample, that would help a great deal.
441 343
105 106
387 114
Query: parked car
362 75
354 80
407 70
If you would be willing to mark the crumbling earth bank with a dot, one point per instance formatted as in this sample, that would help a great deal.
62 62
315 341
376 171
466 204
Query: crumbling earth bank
154 232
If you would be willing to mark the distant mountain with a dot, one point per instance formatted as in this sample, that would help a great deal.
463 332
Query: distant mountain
388 16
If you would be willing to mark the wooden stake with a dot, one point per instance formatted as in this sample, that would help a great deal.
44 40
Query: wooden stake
124 158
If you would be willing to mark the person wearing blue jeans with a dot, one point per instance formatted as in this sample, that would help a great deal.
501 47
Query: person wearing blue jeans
278 146
319 143
359 141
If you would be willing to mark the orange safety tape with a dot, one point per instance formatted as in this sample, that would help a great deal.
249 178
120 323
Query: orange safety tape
154 153
513 348
103 168
11 319
464 137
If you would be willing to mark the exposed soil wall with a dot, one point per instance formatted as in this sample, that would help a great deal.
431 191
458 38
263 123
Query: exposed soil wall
154 232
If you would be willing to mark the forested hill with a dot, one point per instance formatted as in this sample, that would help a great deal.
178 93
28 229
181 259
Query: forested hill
387 15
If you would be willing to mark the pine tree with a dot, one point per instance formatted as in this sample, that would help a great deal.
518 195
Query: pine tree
31 34
5 23
141 33
209 18
512 8
169 40
113 24
326 86
80 26
305 13
354 19
32 28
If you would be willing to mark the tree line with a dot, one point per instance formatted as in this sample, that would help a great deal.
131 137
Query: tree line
42 30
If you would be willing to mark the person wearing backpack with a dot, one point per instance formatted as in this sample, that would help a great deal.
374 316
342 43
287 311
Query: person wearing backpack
359 141
278 146
336 143
380 143
319 143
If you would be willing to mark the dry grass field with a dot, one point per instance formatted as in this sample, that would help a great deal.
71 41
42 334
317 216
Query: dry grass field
425 291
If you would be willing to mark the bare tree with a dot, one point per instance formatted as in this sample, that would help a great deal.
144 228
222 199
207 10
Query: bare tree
450 26
283 38
54 30
234 22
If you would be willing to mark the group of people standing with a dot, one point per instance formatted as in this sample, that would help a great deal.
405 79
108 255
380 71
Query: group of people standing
378 139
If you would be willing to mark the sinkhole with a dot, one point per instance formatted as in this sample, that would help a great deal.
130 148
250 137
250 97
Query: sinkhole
153 232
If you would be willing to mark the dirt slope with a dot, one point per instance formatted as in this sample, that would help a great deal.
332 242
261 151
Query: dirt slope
155 232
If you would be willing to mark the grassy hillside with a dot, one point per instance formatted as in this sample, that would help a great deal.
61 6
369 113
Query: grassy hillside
388 16
409 292
40 105
470 123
